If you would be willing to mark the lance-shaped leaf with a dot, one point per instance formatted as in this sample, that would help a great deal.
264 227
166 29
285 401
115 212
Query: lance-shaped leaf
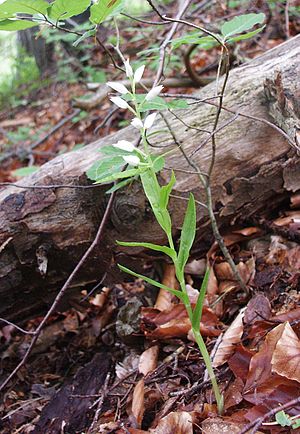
177 294
62 9
119 175
165 192
164 249
187 236
197 313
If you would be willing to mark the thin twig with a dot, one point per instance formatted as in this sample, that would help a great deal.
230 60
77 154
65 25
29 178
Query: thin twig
16 327
257 422
62 291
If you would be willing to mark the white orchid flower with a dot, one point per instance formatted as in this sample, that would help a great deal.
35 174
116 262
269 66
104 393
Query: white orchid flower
128 69
149 121
139 74
119 102
137 123
155 91
133 160
124 145
119 87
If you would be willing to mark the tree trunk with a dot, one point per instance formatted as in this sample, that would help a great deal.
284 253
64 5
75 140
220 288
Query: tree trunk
43 233
39 49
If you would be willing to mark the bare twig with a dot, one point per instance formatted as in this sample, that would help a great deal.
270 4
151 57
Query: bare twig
62 292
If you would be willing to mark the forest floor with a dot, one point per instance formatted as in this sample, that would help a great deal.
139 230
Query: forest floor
125 362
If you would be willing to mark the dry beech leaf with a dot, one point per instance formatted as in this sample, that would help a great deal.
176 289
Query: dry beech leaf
148 360
138 405
179 422
258 307
231 337
217 425
260 368
286 356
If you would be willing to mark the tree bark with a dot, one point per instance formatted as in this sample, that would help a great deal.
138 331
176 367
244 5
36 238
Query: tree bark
43 233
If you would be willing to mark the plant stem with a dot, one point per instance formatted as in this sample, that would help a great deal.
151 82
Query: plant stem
206 357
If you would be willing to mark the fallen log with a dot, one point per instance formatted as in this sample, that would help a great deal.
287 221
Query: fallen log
44 232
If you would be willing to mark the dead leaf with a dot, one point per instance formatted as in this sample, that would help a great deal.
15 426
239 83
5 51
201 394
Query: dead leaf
230 339
175 423
148 360
100 298
164 298
286 357
240 361
138 406
260 368
233 395
258 308
218 425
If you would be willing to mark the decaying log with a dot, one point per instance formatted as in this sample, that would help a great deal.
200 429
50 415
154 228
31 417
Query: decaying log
43 233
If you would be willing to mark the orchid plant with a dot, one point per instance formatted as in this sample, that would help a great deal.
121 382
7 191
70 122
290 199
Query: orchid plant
142 164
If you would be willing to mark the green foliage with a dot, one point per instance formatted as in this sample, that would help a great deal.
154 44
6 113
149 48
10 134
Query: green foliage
31 7
284 419
13 25
21 77
25 171
62 9
103 9
231 31
241 24
187 237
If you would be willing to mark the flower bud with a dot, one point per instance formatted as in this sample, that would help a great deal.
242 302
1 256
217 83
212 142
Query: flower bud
155 91
119 87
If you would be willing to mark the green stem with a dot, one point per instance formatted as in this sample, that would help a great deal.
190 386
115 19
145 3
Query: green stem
206 357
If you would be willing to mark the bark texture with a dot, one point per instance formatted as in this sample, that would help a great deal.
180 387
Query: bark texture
43 233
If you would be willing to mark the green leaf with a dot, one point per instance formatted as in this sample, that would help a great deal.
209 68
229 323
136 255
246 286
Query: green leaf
158 163
177 294
152 192
205 42
164 249
187 236
62 9
86 35
24 171
32 7
120 185
245 36
165 192
283 419
103 168
103 9
296 424
240 24
197 313
12 25
119 175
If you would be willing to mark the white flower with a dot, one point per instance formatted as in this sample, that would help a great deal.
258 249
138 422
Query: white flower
119 102
131 159
149 121
154 92
139 74
119 87
129 71
124 145
137 123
